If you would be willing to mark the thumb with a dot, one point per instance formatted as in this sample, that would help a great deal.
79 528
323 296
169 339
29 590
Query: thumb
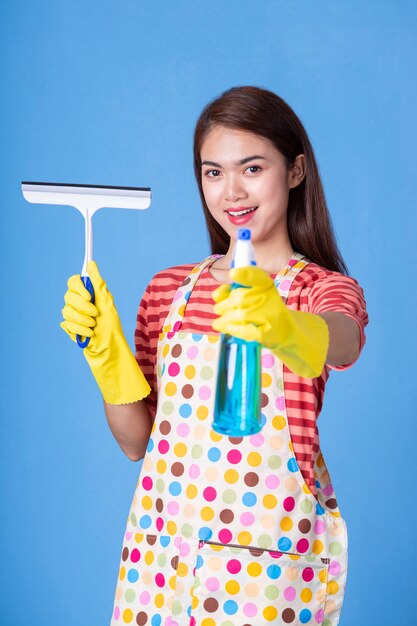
94 274
220 293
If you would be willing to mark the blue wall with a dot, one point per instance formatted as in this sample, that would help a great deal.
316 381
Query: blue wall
108 93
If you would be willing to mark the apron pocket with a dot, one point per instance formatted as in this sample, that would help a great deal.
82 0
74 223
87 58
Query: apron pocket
147 578
248 586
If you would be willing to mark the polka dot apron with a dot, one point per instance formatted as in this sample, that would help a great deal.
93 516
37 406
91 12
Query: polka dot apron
224 531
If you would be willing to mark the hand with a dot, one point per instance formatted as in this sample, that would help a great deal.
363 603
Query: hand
114 367
256 312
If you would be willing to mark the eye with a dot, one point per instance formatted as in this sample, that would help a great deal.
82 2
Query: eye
214 173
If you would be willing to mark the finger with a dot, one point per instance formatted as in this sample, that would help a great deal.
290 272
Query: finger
244 298
222 307
63 326
71 315
76 285
229 304
234 316
78 329
79 304
248 332
231 296
221 293
243 316
251 276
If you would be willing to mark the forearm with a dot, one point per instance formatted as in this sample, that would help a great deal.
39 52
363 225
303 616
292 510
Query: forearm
131 426
344 338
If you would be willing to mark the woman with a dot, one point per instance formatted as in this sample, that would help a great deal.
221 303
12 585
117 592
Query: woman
229 531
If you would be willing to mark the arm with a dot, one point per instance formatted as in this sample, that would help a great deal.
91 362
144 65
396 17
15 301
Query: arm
131 425
304 341
116 370
344 338
340 301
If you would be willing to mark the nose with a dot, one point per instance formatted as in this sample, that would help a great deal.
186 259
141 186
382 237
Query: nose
234 188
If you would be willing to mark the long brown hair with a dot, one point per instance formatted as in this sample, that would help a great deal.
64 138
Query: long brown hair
265 114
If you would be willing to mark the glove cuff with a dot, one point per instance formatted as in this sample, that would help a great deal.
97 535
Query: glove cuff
119 377
307 345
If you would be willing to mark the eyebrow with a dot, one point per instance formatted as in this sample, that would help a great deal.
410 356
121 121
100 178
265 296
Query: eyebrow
241 162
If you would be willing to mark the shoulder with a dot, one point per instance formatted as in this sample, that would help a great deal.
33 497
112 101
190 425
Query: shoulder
316 289
314 276
169 278
161 290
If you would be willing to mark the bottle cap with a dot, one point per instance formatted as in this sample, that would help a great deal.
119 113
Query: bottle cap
243 254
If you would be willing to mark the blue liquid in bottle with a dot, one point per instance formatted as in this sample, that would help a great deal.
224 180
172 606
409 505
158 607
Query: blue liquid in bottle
237 408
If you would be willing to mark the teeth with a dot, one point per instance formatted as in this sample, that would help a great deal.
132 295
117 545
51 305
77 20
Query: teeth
239 213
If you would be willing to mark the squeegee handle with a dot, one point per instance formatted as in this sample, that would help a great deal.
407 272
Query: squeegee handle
89 286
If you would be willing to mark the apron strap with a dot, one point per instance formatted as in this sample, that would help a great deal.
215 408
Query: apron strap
176 313
284 277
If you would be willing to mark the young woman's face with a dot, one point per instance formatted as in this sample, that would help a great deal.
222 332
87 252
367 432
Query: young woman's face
245 182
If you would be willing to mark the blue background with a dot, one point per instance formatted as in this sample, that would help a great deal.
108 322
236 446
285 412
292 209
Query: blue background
108 93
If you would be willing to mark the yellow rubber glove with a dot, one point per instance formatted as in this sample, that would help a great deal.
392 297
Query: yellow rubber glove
114 367
256 312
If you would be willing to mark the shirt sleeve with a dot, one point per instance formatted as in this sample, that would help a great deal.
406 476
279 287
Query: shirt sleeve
145 354
337 292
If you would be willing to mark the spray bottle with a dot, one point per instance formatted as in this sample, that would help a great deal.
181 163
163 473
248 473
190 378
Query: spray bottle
237 407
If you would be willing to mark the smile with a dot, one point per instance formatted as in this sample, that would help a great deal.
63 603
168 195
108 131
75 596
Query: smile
243 212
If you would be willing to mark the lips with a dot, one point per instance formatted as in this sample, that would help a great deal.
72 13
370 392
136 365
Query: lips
241 215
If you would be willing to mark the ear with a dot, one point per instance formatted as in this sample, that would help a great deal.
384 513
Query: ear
297 172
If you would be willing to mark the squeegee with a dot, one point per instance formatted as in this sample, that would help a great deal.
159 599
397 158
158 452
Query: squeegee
88 199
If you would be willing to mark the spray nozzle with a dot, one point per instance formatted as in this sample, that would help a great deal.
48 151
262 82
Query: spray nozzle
244 233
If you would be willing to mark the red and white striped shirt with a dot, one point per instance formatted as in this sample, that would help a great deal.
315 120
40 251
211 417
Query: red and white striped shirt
314 290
